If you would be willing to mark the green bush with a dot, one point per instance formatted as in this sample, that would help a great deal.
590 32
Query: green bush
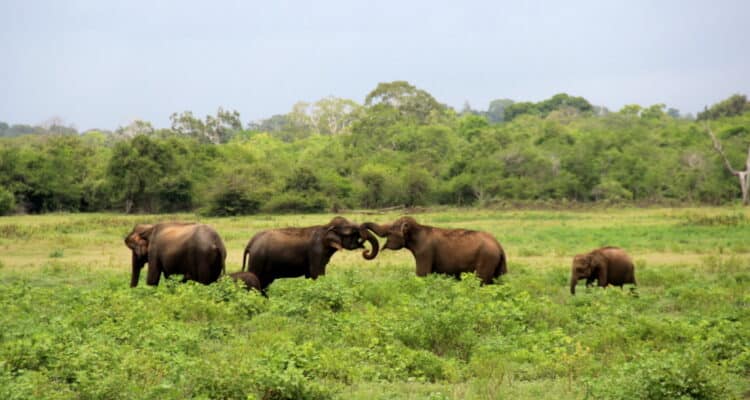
664 375
7 201
233 201
296 202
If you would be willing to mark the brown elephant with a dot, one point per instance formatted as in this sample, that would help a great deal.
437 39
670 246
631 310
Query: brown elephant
607 265
292 252
250 279
193 250
445 251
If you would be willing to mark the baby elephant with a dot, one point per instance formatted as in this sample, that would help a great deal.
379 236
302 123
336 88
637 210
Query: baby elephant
250 279
607 265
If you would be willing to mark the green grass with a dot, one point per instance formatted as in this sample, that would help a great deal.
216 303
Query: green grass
72 329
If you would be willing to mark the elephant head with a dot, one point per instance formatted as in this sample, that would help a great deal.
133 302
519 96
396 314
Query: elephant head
585 266
343 234
138 241
396 233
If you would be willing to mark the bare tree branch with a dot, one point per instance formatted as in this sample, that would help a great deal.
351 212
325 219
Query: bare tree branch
719 149
744 176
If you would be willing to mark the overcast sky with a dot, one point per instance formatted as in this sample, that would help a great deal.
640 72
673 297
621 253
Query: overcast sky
102 64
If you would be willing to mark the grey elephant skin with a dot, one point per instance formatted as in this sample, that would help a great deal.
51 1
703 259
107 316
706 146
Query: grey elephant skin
445 251
293 252
606 265
194 250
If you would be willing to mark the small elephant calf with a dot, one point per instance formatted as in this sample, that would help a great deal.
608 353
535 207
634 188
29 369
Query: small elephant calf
607 266
250 279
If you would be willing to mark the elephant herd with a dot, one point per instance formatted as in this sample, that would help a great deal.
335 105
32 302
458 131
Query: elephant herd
197 252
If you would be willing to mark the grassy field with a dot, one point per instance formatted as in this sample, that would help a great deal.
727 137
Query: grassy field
71 328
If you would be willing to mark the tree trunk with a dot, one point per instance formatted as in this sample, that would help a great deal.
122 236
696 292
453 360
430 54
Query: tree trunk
744 176
744 184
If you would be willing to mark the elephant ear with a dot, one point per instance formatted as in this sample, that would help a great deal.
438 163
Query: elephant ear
597 261
138 241
141 248
146 232
405 228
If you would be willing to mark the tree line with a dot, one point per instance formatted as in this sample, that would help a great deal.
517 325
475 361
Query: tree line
399 147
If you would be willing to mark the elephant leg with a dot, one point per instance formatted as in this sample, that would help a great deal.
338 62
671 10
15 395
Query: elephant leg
154 273
486 271
424 266
314 272
154 270
603 278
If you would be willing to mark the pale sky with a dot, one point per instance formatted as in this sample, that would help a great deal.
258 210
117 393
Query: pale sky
102 64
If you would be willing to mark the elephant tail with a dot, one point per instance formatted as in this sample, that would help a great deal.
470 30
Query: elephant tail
221 255
246 260
244 257
502 265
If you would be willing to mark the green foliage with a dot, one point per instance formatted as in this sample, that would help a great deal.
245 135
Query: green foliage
665 375
7 201
233 201
559 101
417 187
402 147
295 202
732 106
214 129
411 103
371 329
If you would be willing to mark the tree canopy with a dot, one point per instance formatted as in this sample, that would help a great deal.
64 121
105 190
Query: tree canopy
400 147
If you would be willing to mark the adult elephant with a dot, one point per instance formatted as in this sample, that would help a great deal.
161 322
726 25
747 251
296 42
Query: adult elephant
606 265
292 252
445 251
193 250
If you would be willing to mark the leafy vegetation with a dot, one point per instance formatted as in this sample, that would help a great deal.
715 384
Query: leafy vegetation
370 329
401 147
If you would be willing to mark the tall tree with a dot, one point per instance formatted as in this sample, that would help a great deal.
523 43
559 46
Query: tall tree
410 101
734 105
135 128
218 129
333 115
147 174
496 110
742 175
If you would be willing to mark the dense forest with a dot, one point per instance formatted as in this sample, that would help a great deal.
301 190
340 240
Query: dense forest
401 146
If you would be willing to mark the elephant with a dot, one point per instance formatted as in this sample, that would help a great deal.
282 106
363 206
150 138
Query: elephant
193 250
607 265
293 252
250 279
445 251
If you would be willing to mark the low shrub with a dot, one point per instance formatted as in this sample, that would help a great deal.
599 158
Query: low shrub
296 202
7 201
664 375
233 201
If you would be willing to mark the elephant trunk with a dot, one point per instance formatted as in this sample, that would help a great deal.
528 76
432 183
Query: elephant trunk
380 230
138 263
366 235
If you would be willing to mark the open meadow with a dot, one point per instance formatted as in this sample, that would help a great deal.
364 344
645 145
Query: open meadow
71 328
